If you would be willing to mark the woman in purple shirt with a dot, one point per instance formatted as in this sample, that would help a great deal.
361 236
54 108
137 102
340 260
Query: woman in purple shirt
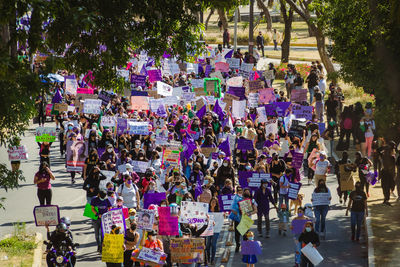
42 179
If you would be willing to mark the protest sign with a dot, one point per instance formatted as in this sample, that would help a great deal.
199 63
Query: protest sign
139 103
123 73
199 91
234 63
218 218
298 95
298 226
235 82
245 206
212 87
122 125
171 157
208 150
254 86
244 144
138 80
269 75
138 127
92 106
82 97
262 115
252 180
346 177
48 110
45 134
170 100
178 91
225 202
140 166
153 94
245 69
109 175
271 126
88 212
228 99
154 75
281 108
321 127
61 107
218 75
164 89
193 212
112 250
312 254
198 83
168 224
108 121
297 127
88 91
294 190
145 219
266 95
17 153
304 112
222 66
250 247
210 227
77 152
187 250
188 96
297 160
253 100
113 217
245 223
139 93
105 97
153 198
49 214
238 109
71 86
155 104
319 199
147 256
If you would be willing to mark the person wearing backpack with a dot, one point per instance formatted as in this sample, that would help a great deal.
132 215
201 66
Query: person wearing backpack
346 125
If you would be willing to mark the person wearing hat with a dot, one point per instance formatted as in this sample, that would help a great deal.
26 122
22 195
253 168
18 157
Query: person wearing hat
102 204
152 242
263 197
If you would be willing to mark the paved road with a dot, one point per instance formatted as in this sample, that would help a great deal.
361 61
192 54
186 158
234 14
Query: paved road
337 249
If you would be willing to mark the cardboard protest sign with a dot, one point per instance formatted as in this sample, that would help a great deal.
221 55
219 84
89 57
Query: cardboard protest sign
254 86
168 224
45 134
199 91
321 199
92 106
298 95
222 66
164 89
304 112
297 160
153 94
140 103
245 206
250 248
234 63
154 75
228 100
188 96
238 109
245 223
17 153
346 178
269 75
212 87
77 152
108 121
138 127
266 95
122 125
207 151
49 214
138 80
225 202
113 217
145 219
187 250
297 127
193 212
71 86
61 107
321 127
294 190
112 250
153 198
244 144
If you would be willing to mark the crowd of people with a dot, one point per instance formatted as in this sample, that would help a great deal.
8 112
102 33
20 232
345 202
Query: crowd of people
214 158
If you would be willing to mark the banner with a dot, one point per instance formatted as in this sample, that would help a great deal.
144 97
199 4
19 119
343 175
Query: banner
77 152
140 103
294 190
138 80
145 219
225 202
187 250
193 212
153 198
112 250
168 224
319 199
49 214
136 127
17 153
45 134
92 106
164 89
88 91
113 217
108 121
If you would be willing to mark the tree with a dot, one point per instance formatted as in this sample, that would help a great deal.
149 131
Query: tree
304 9
288 19
208 18
366 37
267 16
222 18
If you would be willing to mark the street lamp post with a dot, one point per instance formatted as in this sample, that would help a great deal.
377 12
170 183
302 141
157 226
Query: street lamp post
251 43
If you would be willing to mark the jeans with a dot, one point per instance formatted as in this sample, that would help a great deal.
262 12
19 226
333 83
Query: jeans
275 45
44 195
237 234
356 219
211 247
320 213
98 232
260 215
311 91
284 197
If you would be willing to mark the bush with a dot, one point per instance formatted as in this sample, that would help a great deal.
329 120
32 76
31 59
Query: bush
17 245
304 70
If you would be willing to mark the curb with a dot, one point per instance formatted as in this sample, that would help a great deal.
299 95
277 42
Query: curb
370 241
37 253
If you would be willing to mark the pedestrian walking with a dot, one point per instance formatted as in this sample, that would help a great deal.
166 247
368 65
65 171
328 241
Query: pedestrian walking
260 43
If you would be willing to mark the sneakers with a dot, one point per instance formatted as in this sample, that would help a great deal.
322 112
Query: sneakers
72 181
237 249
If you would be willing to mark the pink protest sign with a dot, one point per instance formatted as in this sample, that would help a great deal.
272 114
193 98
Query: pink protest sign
17 153
222 66
266 95
154 75
88 78
298 95
85 91
168 225
48 109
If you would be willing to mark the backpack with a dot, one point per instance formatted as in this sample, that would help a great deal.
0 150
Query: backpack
347 124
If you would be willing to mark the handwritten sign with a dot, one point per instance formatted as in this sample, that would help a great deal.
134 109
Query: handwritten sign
92 106
222 66
234 63
319 199
253 100
198 83
187 250
304 112
113 217
297 160
151 255
154 75
225 202
140 103
298 95
45 134
245 206
252 180
269 75
138 80
266 95
171 157
235 82
193 212
17 153
245 223
294 190
71 86
138 127
164 89
168 224
112 251
140 166
49 214
254 86
108 121
61 107
238 109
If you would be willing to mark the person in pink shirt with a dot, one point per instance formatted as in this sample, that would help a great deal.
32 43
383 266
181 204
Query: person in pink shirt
42 179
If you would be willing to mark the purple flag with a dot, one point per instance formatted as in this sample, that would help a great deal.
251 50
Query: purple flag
224 146
143 71
218 110
57 98
188 147
200 114
150 62
229 54
208 70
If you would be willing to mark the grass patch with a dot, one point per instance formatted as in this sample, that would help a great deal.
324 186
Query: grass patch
353 94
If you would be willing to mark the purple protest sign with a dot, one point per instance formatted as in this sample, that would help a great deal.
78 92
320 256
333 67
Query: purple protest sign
153 198
270 110
321 127
138 80
250 248
252 73
298 226
237 91
207 70
48 214
281 108
225 202
297 160
105 97
303 111
122 125
294 190
252 180
139 93
154 75
244 144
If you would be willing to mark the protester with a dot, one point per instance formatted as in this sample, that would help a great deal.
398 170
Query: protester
359 209
308 236
321 211
42 179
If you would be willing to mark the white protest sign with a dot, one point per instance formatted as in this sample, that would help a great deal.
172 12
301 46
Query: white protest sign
178 91
238 109
319 199
164 89
262 115
123 73
193 212
140 166
245 69
92 106
138 127
113 217
155 104
197 83
312 254
71 86
109 175
219 221
108 121
235 81
234 63
46 215
253 100
145 219
191 67
147 254
271 126
210 227
170 100
188 96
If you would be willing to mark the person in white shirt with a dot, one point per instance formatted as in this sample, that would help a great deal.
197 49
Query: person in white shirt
322 167
284 187
322 85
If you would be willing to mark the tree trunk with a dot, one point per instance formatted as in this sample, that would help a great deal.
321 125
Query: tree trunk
319 36
208 18
288 19
222 18
267 16
311 33
238 14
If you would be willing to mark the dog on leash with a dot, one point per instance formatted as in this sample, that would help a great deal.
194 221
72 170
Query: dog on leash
297 202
